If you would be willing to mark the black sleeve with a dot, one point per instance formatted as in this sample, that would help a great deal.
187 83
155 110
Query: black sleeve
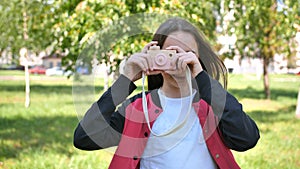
102 125
239 131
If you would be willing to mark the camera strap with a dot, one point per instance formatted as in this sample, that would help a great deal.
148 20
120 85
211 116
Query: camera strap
145 106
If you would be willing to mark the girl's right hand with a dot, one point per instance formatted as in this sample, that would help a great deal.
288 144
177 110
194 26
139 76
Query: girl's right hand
138 63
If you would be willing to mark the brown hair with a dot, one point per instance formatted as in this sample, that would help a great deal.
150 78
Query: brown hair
210 62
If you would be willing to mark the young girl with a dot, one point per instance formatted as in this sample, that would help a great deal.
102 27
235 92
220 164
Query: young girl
183 127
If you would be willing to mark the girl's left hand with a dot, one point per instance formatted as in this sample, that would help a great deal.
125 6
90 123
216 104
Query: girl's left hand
185 59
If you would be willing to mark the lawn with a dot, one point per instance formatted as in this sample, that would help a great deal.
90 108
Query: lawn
41 136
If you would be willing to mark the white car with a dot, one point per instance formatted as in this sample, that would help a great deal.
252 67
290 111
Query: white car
54 71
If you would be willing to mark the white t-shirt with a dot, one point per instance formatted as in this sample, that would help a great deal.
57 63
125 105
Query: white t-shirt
184 148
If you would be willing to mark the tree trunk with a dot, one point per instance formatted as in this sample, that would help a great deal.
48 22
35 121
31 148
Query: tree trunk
25 37
298 106
27 85
266 78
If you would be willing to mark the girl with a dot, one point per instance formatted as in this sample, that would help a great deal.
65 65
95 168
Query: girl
183 127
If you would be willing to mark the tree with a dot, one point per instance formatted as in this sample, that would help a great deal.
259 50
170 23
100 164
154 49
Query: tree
40 19
81 21
263 28
25 26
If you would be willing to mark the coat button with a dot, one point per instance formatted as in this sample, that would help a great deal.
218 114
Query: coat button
146 134
156 111
217 155
135 157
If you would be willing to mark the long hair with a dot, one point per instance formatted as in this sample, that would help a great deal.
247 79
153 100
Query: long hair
209 60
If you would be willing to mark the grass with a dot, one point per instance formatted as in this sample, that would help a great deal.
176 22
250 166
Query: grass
11 72
279 146
41 136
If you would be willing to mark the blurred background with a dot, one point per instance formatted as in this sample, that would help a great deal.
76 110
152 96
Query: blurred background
49 46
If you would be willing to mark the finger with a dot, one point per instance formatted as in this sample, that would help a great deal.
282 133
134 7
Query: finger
194 64
189 58
144 61
173 62
139 61
171 72
182 64
177 48
150 62
141 65
179 62
175 73
155 72
146 47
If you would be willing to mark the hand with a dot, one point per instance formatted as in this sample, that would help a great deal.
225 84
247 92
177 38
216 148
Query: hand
138 63
185 59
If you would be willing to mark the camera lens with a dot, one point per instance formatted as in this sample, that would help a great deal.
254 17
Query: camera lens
160 59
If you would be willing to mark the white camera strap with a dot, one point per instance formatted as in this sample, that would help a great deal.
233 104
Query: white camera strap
145 106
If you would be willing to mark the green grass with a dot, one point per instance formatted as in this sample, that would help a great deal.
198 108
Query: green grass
41 136
11 72
279 146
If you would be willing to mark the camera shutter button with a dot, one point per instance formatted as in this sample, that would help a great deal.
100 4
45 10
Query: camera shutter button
154 48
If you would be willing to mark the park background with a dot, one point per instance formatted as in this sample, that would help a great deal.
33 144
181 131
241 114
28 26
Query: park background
256 39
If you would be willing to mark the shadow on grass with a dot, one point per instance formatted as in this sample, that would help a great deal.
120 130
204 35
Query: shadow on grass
47 89
253 93
280 115
21 134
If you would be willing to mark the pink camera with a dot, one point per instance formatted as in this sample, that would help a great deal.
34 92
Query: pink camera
161 59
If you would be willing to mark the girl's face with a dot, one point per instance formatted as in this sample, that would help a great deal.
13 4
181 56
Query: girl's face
184 40
187 42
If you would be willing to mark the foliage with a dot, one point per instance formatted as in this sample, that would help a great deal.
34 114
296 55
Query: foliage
38 19
81 30
72 27
263 28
